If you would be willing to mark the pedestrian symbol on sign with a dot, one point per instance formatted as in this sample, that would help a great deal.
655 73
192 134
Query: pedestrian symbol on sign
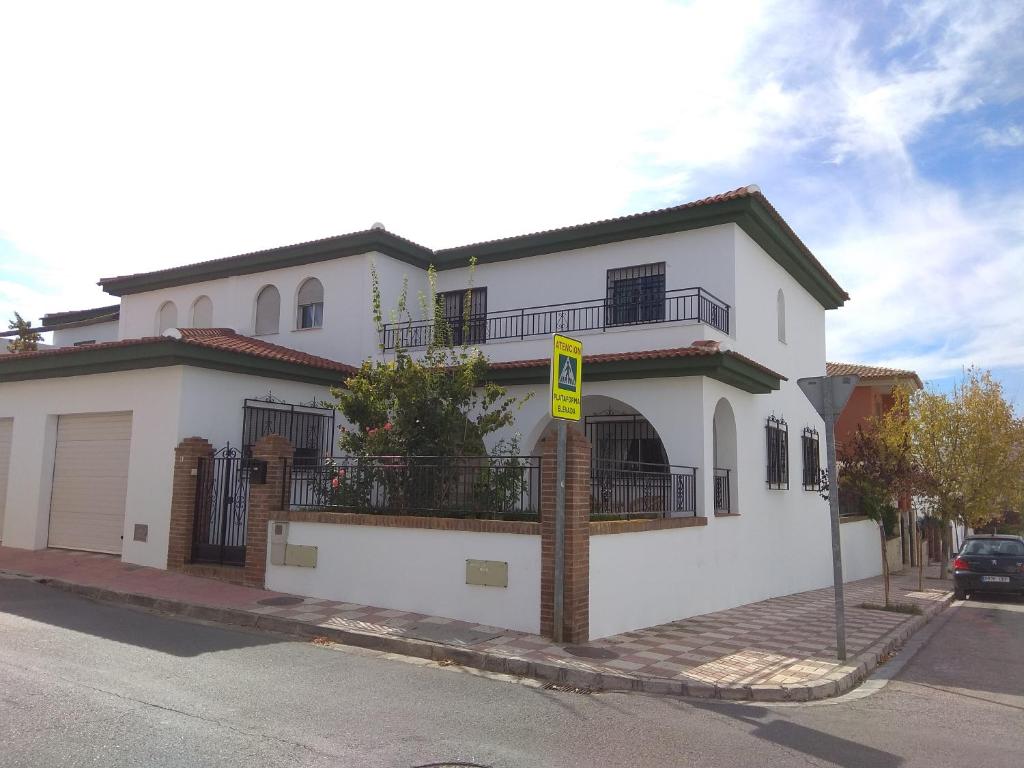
566 377
567 373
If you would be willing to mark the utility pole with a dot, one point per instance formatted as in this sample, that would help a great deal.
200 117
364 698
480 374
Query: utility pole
828 395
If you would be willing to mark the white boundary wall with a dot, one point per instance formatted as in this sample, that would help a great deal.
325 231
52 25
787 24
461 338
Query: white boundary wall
862 552
653 577
412 569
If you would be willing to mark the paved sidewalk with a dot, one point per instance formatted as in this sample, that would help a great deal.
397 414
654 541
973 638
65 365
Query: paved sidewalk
778 649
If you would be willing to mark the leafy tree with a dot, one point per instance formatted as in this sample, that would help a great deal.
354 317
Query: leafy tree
877 468
408 414
27 340
970 448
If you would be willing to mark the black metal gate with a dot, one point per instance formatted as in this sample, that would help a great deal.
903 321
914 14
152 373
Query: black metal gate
222 499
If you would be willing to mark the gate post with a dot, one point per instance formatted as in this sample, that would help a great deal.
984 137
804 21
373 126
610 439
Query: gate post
264 500
576 600
183 499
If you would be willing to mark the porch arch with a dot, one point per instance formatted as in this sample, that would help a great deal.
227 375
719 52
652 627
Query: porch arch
723 442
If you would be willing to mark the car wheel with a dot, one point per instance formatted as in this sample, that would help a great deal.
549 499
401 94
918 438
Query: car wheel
959 594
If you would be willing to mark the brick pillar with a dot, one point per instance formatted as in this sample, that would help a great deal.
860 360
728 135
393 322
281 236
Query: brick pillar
183 499
264 501
576 603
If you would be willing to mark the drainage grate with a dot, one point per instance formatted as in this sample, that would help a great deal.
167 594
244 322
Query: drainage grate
567 688
590 652
283 600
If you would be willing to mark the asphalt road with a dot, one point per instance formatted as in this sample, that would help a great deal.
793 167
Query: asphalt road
85 684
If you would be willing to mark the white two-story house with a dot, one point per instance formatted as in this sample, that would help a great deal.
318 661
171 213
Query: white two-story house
695 320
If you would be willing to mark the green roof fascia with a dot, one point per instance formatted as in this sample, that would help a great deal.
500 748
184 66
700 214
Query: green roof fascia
749 213
752 214
728 369
765 229
275 258
159 354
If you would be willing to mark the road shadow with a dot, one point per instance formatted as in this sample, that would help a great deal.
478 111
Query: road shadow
800 738
37 602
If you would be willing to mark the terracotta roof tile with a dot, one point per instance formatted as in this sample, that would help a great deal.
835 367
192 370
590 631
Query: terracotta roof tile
221 339
734 194
870 372
651 354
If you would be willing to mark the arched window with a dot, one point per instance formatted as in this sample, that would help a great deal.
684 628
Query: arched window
723 436
310 305
202 313
166 317
268 311
780 308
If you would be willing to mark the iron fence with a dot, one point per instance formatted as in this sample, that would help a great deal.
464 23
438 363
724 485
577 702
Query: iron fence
636 489
723 502
485 487
596 314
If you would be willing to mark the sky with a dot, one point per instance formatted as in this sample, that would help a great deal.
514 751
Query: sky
890 135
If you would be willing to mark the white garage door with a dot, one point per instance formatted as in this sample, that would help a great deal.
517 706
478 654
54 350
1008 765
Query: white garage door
6 427
90 481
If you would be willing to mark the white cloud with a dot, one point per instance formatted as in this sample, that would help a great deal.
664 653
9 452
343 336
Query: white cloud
150 136
1010 136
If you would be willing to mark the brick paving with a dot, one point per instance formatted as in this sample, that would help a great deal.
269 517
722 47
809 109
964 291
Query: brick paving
784 641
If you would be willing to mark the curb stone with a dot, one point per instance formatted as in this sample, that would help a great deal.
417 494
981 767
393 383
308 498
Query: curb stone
855 670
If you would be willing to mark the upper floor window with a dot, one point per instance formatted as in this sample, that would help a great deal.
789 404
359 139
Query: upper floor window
777 439
166 317
780 309
465 312
310 304
268 311
202 313
812 459
635 294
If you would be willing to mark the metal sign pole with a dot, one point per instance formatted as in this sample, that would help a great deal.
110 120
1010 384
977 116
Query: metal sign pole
828 395
830 417
559 602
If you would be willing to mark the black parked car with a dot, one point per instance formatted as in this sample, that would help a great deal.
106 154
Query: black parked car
989 564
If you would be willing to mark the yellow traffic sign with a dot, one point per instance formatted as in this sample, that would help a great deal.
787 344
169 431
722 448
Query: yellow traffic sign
567 378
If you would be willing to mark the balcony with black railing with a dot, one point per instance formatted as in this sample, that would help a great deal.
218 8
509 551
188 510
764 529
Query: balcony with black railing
684 304
631 489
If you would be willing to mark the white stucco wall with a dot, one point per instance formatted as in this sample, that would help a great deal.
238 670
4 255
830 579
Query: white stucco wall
347 334
212 401
417 570
98 332
153 398
862 550
167 405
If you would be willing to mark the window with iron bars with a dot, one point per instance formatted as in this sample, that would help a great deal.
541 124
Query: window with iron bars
777 440
811 450
635 294
466 327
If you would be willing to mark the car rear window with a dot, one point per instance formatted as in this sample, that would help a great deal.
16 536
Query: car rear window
994 547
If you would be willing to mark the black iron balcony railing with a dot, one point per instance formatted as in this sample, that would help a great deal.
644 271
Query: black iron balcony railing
626 489
722 501
598 314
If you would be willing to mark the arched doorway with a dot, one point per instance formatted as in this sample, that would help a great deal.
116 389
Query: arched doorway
630 474
723 435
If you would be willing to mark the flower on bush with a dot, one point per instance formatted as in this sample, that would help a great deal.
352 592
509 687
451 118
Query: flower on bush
335 482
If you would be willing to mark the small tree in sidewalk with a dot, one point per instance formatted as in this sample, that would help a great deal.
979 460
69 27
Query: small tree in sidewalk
876 469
